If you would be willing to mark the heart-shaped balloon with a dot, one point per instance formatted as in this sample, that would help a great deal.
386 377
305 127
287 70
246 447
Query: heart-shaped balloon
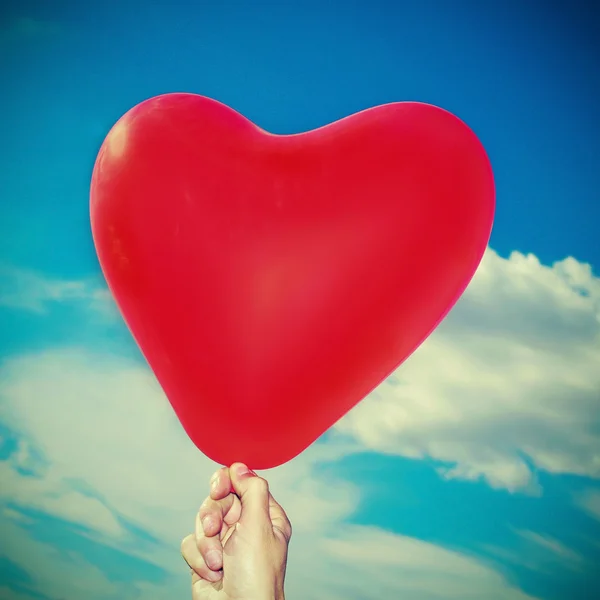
273 281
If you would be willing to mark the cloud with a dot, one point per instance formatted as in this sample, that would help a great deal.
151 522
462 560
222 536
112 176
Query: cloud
507 384
589 501
50 572
27 290
50 495
102 430
552 550
7 593
356 563
543 555
15 515
509 381
385 565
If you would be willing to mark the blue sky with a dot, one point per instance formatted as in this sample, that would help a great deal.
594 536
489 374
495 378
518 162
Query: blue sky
477 476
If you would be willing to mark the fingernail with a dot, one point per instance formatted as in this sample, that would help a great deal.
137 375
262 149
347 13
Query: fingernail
242 470
214 483
213 559
215 575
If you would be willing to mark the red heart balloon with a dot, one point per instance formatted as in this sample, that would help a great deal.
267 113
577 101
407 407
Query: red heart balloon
272 281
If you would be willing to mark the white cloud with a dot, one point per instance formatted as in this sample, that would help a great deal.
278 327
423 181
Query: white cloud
51 495
385 565
511 373
51 572
355 563
106 424
510 377
541 553
7 593
553 551
28 290
16 516
589 501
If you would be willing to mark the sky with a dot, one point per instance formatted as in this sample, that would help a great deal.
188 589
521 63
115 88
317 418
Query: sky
473 471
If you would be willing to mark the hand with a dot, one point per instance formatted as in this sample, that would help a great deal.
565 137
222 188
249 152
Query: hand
239 548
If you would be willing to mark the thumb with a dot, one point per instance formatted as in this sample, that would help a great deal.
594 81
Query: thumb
253 492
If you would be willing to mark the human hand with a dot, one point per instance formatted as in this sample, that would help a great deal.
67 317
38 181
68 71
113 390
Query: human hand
239 548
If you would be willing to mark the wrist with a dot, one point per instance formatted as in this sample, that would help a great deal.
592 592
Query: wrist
269 585
276 593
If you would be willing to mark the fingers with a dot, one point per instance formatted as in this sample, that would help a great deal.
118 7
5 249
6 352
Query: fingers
236 495
221 489
203 550
279 518
253 492
220 484
212 523
256 500
210 547
212 515
193 557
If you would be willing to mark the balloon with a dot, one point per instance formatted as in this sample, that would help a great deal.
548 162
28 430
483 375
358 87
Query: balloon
273 281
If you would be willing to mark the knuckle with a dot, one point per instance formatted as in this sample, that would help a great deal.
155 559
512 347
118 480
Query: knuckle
201 544
185 544
287 527
215 475
258 484
209 507
207 503
205 545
